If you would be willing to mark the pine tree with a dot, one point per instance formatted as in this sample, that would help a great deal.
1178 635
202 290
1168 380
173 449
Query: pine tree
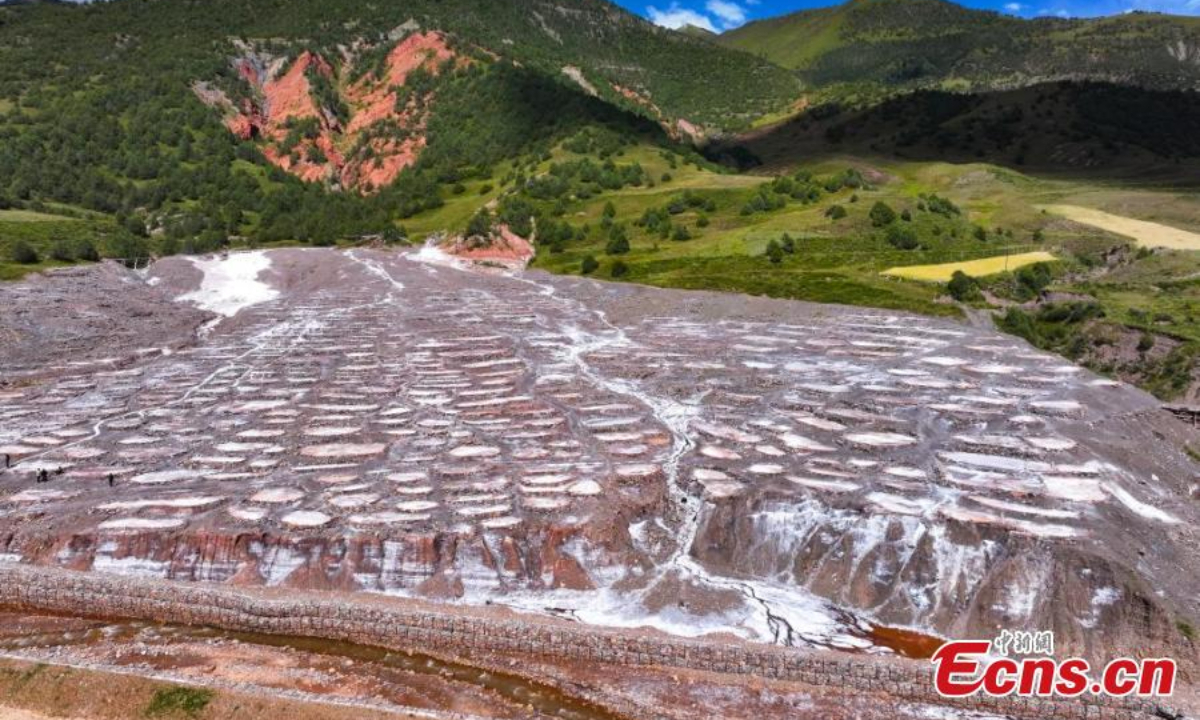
774 252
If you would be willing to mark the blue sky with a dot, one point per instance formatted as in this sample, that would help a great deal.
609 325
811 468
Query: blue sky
719 15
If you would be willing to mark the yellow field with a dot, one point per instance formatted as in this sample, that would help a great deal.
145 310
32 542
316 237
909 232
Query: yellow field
1149 234
974 268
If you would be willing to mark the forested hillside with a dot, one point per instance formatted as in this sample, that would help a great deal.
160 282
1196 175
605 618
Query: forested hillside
127 107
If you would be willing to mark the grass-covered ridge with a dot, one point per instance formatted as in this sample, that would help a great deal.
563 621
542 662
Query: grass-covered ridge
934 43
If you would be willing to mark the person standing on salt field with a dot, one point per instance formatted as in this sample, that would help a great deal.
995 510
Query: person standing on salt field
110 480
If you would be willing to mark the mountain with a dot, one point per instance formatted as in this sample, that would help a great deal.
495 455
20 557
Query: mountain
933 43
234 117
1070 128
698 32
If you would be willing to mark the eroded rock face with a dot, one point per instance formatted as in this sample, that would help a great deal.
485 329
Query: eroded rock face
626 456
503 248
302 134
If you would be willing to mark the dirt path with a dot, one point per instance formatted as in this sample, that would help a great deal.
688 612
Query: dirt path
1148 234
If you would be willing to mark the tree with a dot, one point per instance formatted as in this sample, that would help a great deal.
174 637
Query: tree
22 254
681 234
393 235
618 241
610 211
835 212
902 237
85 250
480 224
774 252
788 244
619 269
963 288
61 251
980 233
135 225
589 265
882 214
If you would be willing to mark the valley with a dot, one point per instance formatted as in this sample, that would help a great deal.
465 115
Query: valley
526 359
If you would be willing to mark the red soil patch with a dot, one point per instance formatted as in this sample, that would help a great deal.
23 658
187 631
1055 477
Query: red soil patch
505 248
289 97
375 98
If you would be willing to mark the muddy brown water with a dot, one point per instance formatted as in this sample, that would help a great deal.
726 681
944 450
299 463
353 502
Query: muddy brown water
543 699
906 643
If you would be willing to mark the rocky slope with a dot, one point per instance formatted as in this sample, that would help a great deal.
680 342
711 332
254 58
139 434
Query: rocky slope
306 134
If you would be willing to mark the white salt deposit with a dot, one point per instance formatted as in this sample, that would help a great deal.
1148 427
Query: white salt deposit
231 283
339 450
276 495
306 518
1137 506
162 477
881 439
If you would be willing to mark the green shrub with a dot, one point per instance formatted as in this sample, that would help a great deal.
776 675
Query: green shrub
882 214
835 212
480 224
1031 280
902 237
1186 629
963 287
774 252
589 265
618 241
188 701
619 269
61 251
85 250
23 254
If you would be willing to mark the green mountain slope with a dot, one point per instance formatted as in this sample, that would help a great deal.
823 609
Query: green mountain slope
937 43
198 121
682 76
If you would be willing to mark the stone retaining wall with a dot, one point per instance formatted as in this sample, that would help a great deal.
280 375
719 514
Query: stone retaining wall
454 630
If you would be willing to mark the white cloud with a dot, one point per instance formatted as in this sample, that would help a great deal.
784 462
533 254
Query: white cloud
730 14
1014 7
675 17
